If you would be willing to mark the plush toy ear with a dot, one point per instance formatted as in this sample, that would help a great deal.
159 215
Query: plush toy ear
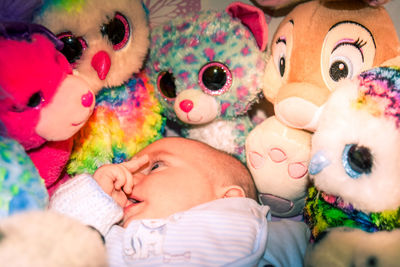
253 18
277 4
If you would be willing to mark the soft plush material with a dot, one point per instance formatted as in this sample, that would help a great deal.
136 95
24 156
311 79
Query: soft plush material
354 167
48 239
21 187
316 45
353 247
126 119
106 44
207 69
42 105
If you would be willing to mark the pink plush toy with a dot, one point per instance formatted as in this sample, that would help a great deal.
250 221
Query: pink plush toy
42 105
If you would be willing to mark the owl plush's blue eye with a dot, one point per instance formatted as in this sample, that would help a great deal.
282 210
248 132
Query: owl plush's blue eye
357 160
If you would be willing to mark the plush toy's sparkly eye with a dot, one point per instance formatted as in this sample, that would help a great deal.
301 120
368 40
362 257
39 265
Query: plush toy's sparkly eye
215 78
166 84
73 46
357 160
117 30
35 100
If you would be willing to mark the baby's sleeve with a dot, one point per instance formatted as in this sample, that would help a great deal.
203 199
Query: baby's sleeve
286 243
83 199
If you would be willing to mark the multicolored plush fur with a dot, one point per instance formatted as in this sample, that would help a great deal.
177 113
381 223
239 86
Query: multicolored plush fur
191 54
356 151
126 119
21 187
106 43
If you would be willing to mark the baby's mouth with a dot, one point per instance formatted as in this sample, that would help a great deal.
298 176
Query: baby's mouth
134 201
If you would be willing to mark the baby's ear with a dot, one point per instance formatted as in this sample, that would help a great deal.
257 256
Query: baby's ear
233 191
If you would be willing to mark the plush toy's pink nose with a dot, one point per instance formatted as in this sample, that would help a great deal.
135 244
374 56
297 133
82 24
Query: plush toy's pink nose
186 105
101 62
87 99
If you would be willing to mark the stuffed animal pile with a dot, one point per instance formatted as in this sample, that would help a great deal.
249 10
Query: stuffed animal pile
106 43
208 69
316 45
355 174
30 235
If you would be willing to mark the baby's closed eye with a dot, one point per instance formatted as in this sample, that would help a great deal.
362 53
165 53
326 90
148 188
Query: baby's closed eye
155 165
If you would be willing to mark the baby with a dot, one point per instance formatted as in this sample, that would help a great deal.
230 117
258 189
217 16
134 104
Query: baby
181 202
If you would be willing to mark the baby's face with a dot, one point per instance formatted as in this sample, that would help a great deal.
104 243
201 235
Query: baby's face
173 181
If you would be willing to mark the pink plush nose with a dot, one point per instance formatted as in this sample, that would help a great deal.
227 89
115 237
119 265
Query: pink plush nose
186 105
87 99
101 62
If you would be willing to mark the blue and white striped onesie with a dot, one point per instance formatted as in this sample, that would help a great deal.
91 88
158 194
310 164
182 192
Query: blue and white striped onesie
223 232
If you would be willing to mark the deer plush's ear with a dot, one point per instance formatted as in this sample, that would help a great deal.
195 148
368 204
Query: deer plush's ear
253 18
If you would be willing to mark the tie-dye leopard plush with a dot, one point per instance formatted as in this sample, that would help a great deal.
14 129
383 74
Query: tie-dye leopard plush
208 68
21 187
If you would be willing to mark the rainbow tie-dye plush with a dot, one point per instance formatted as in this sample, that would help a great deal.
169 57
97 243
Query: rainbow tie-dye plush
323 211
126 119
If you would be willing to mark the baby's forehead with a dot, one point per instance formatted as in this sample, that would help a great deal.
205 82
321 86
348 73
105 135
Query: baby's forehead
179 145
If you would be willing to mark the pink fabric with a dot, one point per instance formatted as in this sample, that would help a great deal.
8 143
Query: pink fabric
254 19
29 68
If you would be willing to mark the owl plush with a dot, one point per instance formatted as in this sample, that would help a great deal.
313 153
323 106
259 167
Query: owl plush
207 69
354 164
106 43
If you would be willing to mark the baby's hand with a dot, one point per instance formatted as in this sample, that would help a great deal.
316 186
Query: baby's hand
116 179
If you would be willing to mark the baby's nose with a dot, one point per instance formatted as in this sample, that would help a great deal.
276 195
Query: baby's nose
137 178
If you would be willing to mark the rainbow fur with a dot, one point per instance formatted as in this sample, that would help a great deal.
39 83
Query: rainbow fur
383 85
21 187
67 5
324 211
126 119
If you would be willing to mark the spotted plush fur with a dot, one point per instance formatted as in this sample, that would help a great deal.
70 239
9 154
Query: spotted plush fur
184 45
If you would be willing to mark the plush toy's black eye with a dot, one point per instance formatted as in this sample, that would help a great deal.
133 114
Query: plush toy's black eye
282 65
338 70
73 46
2 236
35 100
360 159
215 78
117 30
357 160
166 84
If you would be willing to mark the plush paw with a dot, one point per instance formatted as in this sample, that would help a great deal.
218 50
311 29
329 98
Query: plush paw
277 157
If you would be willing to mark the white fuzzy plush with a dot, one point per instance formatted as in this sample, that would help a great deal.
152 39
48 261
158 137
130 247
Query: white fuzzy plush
49 239
341 124
86 21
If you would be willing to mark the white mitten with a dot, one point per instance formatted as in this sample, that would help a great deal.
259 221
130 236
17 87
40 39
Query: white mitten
83 199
